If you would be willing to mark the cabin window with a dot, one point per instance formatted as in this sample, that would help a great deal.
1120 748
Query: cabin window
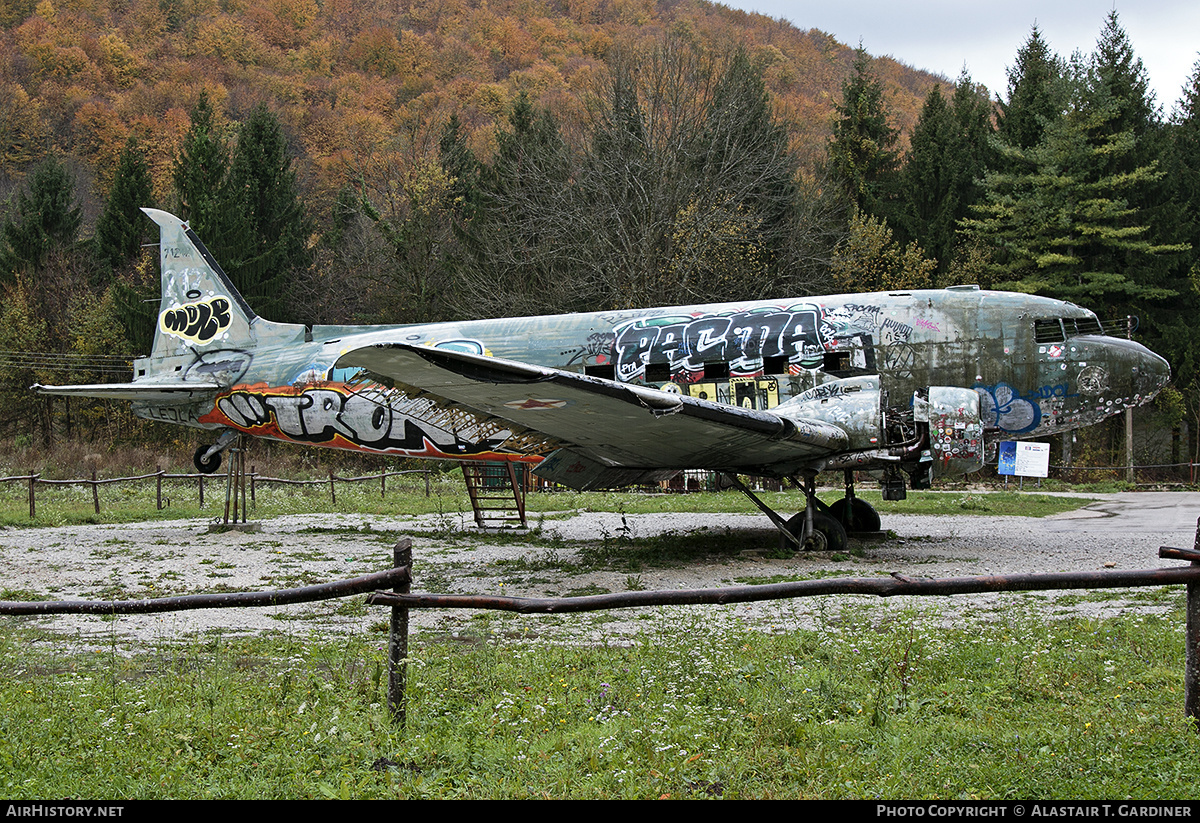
607 372
836 361
775 365
716 371
1048 331
658 372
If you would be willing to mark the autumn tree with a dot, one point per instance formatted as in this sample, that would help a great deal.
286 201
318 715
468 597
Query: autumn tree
525 224
687 189
870 259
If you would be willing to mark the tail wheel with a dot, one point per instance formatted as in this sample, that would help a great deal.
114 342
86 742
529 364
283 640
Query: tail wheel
206 466
856 515
828 533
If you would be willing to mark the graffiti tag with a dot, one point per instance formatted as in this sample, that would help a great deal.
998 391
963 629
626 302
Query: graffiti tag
360 418
200 321
741 339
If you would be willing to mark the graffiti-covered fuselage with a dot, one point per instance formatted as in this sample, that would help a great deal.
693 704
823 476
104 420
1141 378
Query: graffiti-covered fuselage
776 387
1039 365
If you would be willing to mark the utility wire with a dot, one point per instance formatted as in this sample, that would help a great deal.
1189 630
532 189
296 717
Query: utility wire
65 362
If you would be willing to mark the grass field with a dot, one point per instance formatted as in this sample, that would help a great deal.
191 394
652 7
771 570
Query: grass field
697 708
874 702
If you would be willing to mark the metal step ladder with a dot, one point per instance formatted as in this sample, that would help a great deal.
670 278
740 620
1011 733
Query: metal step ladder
497 493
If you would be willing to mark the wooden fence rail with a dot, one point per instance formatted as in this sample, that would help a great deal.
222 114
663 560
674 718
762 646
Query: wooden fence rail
35 480
400 600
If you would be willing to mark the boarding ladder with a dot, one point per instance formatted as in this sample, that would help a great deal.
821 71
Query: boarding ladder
497 493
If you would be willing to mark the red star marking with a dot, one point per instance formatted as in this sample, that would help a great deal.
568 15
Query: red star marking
533 403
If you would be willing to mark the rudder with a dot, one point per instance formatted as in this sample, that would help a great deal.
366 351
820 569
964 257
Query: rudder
199 308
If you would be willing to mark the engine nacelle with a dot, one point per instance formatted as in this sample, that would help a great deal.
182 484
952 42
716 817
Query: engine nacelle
955 430
851 403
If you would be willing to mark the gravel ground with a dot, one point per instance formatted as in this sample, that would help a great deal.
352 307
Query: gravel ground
158 559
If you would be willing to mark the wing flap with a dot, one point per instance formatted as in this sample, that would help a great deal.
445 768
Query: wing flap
617 424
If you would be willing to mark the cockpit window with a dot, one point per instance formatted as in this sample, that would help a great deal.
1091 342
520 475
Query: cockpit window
1048 331
1059 329
1082 325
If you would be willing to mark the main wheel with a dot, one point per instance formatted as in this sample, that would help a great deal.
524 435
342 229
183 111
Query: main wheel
861 516
206 466
828 534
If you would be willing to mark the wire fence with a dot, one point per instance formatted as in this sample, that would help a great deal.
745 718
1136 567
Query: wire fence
697 480
33 481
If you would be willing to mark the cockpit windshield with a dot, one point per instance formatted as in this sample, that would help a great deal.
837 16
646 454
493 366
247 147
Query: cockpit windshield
1058 329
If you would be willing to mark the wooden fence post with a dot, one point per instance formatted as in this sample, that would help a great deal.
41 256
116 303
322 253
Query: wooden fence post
32 505
202 491
398 639
332 493
158 489
95 492
1191 666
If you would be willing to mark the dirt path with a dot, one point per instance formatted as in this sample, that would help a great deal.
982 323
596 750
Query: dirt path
563 557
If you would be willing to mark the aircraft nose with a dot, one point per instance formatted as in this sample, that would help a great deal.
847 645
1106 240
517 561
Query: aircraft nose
1150 373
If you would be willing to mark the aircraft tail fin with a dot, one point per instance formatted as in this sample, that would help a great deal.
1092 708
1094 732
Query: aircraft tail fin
200 309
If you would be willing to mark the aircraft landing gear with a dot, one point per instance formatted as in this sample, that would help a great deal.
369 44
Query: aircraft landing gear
814 529
827 533
207 459
205 464
855 514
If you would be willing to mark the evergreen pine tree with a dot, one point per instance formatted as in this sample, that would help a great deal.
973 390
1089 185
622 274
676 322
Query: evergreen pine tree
862 153
200 173
45 216
272 225
122 228
949 152
1037 94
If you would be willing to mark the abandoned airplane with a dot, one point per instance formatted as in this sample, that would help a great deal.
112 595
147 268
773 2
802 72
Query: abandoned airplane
909 384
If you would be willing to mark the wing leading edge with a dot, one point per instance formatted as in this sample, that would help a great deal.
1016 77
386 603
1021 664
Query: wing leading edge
612 431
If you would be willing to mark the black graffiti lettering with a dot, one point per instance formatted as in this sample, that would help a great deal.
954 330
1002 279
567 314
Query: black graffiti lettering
896 332
706 340
201 321
742 339
800 338
632 347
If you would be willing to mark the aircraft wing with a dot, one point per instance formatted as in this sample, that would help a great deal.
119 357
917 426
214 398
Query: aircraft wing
616 425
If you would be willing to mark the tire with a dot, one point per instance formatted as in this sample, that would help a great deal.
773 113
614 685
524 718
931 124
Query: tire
861 516
828 534
206 466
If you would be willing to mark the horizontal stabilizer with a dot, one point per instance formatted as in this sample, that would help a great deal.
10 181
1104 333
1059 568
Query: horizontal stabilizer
162 393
